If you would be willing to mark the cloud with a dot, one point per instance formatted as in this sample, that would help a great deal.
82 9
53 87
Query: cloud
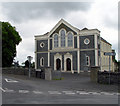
34 18
23 11
25 48
111 17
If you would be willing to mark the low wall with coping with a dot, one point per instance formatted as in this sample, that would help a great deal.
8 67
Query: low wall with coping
103 77
55 75
18 71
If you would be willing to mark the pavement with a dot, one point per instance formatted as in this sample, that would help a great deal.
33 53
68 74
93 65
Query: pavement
72 89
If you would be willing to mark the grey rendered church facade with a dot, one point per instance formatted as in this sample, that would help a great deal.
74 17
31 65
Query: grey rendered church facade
67 48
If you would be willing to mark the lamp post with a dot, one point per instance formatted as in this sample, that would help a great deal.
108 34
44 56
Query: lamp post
29 59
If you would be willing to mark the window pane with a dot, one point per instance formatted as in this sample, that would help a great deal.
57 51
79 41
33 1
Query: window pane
62 33
70 39
55 40
42 61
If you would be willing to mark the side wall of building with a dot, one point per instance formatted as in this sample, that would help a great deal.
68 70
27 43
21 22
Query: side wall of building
105 47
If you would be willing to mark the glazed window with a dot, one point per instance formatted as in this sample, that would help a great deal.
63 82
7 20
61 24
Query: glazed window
87 60
62 34
70 39
55 40
42 62
86 41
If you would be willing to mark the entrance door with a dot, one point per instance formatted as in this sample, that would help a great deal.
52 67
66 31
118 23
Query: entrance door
58 64
68 64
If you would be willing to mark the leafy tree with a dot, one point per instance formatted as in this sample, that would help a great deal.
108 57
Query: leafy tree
27 63
10 39
33 65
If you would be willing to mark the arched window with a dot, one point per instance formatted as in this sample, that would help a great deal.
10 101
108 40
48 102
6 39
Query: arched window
42 62
55 40
62 34
70 39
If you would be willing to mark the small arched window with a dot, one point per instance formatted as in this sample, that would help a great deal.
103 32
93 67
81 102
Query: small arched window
42 62
56 40
70 39
62 34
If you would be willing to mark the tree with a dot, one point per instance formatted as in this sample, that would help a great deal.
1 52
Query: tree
27 63
10 39
33 65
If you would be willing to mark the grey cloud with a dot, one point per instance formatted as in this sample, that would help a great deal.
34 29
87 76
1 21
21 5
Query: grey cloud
23 11
111 22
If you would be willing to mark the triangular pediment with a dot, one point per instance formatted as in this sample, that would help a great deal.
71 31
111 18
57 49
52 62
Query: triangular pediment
63 24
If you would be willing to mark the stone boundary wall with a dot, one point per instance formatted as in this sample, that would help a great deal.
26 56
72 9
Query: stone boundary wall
25 71
103 77
18 71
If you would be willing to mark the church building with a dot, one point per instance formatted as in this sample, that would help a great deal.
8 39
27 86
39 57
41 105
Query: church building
68 48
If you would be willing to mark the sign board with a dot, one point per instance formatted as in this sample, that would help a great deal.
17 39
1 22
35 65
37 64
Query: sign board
109 53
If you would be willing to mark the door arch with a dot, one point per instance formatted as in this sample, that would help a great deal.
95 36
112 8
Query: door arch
58 64
68 64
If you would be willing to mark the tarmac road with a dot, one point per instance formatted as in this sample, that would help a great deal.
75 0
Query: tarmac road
73 89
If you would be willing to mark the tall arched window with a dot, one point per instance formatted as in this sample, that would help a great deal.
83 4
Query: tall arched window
62 34
70 39
55 40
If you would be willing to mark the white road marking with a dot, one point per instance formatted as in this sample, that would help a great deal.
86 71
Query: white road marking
117 93
54 92
37 92
58 92
107 93
69 92
2 89
9 90
82 92
94 93
10 80
23 91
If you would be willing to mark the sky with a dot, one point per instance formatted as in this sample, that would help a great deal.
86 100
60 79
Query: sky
36 18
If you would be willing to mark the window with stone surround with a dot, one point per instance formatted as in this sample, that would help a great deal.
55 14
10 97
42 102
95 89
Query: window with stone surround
70 39
56 40
62 36
42 62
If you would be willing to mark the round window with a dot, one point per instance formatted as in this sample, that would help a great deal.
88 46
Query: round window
42 45
86 41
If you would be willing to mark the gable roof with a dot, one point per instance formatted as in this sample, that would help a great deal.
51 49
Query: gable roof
78 31
66 23
105 41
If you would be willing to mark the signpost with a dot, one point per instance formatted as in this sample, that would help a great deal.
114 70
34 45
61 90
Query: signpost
109 54
29 59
